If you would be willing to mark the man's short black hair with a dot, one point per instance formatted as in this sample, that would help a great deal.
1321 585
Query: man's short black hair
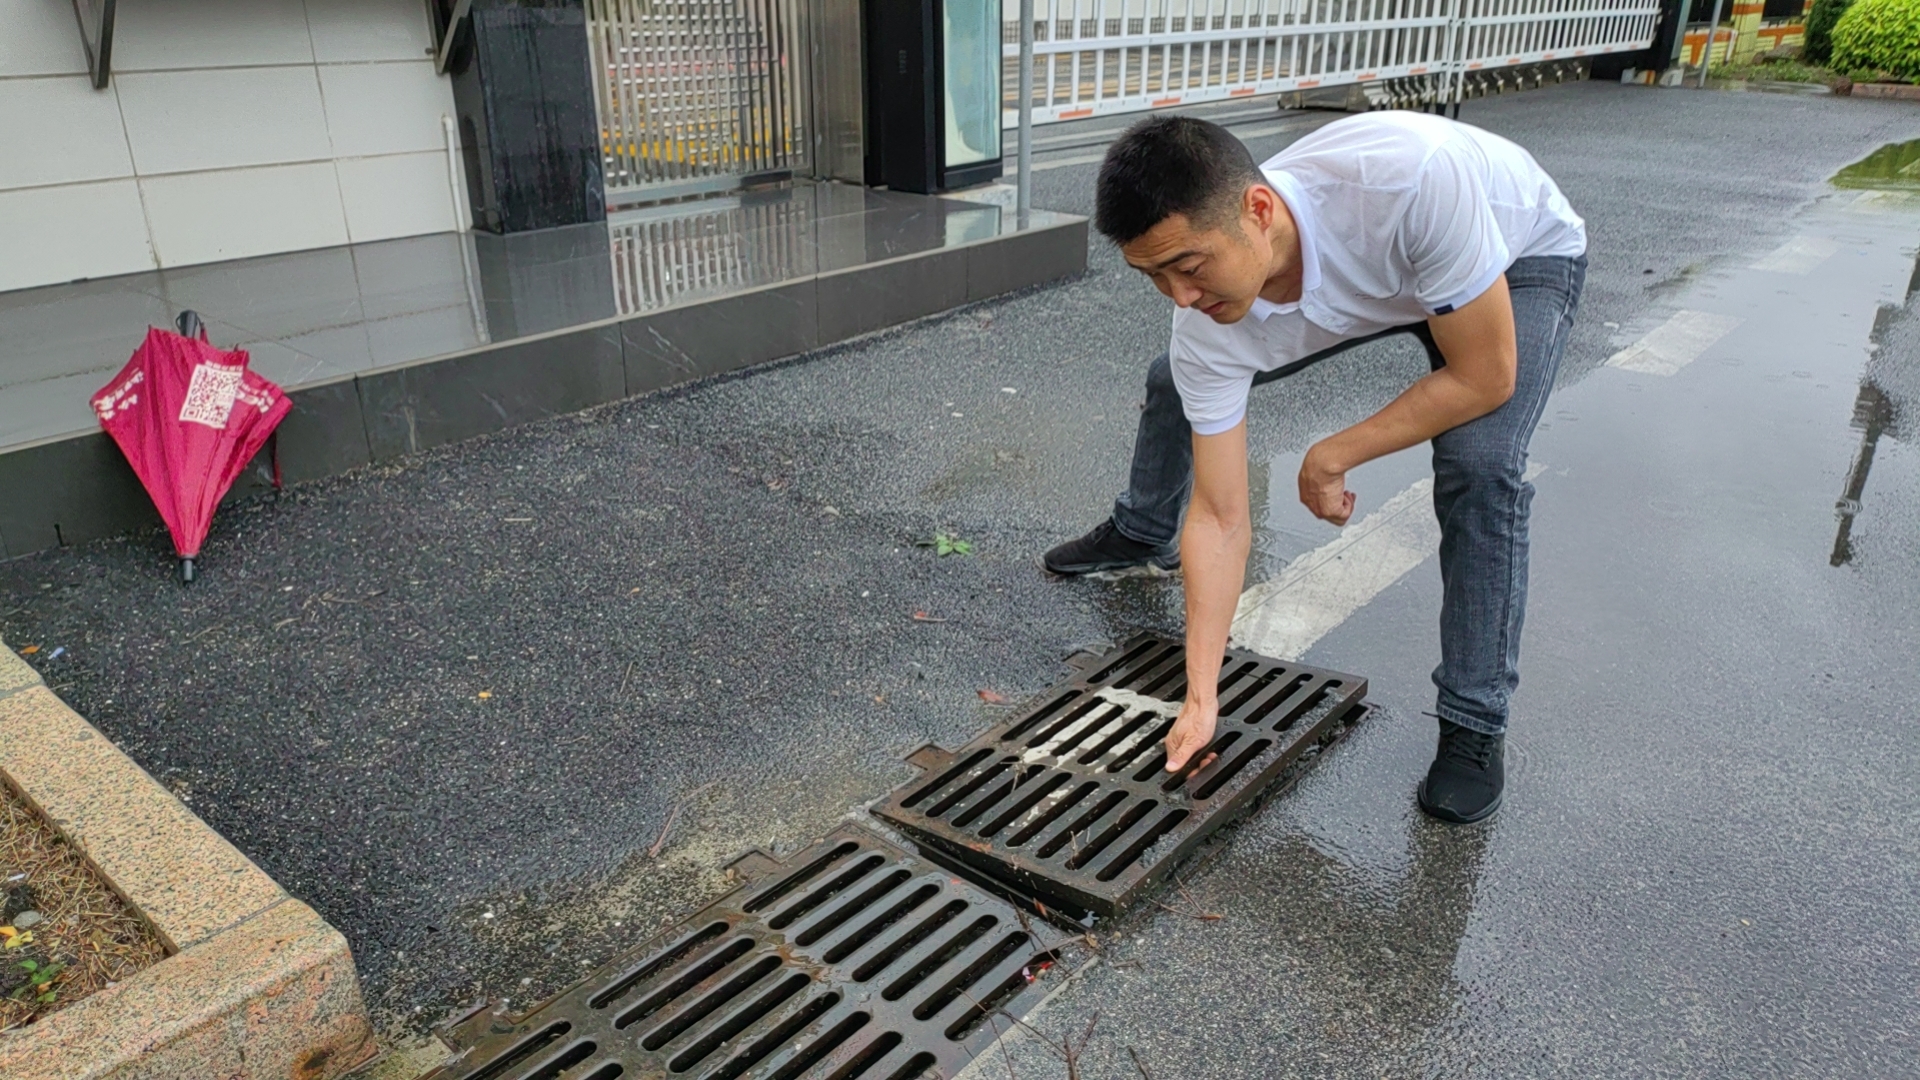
1167 165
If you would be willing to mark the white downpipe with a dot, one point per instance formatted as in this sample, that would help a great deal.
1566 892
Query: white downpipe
463 228
456 182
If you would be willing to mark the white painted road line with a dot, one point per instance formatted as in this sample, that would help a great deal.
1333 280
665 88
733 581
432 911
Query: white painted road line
1318 591
1799 255
1674 344
1283 617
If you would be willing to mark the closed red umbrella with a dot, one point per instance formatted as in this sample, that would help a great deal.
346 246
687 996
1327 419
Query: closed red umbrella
189 417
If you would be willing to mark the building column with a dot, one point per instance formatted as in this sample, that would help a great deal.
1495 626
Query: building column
523 85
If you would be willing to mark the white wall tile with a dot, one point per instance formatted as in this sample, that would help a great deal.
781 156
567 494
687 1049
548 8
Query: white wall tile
237 213
188 120
209 33
368 29
54 234
397 195
385 108
40 37
59 130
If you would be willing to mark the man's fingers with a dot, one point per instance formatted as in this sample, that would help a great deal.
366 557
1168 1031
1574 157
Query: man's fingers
1177 757
1343 511
1180 747
1179 753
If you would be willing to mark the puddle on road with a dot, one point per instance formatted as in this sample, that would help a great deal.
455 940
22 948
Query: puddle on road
1893 167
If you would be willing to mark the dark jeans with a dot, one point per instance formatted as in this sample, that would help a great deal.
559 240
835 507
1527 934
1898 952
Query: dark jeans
1479 492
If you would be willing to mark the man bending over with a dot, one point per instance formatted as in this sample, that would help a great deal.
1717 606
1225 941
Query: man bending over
1389 222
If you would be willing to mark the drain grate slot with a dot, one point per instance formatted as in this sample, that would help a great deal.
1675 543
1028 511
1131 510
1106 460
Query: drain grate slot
1069 800
851 959
522 1048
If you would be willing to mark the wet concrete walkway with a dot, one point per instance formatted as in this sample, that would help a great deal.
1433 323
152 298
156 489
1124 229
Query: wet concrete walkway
452 703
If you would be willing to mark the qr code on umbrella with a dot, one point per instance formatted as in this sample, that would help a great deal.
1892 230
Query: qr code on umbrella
210 395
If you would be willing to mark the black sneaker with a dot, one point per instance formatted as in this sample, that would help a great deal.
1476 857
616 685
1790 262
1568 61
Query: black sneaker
1465 781
1106 550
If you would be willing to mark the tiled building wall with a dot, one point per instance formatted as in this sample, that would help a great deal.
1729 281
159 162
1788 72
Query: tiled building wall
231 128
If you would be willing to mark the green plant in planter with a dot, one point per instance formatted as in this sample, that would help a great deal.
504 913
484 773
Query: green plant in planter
1879 35
39 984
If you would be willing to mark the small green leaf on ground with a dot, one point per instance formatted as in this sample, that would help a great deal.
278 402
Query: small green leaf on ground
947 544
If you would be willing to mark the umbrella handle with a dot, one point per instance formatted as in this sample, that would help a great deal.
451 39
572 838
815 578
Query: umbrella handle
191 325
186 571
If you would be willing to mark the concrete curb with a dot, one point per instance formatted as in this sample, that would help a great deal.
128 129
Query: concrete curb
257 985
1894 91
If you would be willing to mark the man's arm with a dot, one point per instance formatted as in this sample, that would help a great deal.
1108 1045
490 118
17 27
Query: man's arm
1481 365
1213 553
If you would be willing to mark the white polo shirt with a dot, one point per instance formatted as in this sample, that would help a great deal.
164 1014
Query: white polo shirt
1402 215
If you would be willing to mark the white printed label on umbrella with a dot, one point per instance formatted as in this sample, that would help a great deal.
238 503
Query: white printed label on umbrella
210 395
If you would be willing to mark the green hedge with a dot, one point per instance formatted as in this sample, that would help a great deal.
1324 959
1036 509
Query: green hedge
1879 35
1818 48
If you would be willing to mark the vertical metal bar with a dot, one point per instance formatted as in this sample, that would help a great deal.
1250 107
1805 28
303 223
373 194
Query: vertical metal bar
1706 54
766 100
1073 70
1023 190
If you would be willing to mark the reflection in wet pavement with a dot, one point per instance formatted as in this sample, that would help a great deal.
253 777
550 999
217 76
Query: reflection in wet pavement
1871 414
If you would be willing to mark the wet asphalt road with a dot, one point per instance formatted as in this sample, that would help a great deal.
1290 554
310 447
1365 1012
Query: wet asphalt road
1707 863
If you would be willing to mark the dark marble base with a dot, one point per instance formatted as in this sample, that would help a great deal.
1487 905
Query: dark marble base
65 490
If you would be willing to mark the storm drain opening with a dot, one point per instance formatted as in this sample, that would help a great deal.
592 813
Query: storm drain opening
849 959
1068 801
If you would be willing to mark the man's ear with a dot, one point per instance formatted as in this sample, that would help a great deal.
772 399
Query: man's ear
1259 203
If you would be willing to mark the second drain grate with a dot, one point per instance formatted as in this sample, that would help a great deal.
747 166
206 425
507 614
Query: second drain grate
851 960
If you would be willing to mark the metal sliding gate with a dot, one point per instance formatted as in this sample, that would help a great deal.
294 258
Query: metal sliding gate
698 95
1118 56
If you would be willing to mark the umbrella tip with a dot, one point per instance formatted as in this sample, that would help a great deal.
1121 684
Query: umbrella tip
186 571
189 323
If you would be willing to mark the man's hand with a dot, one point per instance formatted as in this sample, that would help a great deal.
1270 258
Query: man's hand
1477 341
1192 733
1323 487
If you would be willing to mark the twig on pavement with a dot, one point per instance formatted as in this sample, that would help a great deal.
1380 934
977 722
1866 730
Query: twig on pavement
1195 904
1005 1054
1203 916
623 680
1135 1055
1073 1052
660 842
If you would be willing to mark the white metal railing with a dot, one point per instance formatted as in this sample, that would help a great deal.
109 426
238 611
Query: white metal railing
695 94
1118 56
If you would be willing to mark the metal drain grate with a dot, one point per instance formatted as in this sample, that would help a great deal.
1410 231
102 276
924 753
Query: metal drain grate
1070 802
849 959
